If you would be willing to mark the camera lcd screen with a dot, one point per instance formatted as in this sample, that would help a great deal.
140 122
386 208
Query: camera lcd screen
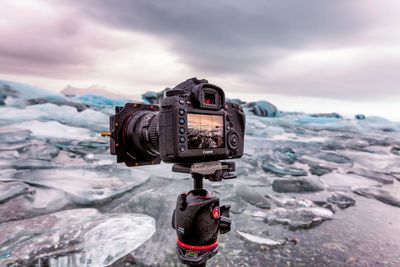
205 131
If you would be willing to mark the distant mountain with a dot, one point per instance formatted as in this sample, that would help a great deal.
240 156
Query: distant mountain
96 90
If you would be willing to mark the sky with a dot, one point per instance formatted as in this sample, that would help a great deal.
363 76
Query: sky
310 55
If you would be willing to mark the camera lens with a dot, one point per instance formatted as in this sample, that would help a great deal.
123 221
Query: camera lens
141 133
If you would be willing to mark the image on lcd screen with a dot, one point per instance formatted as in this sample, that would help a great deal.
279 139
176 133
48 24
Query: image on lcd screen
205 131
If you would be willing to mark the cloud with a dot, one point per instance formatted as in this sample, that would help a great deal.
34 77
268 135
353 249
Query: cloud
331 49
236 36
40 39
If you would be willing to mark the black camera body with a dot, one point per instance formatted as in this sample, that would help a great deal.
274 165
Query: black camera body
194 124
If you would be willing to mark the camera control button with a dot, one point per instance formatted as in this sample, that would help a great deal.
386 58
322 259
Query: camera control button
182 139
181 102
233 140
181 130
182 148
181 121
181 111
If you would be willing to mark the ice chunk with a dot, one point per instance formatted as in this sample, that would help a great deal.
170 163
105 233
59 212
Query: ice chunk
38 150
9 154
307 119
298 185
32 202
282 170
286 201
152 97
10 190
395 150
56 130
88 118
85 186
99 101
340 181
327 115
11 115
333 157
262 108
360 117
83 236
299 218
374 175
261 240
252 197
10 135
342 200
24 91
380 194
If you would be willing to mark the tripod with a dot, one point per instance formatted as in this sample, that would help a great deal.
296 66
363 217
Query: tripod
198 217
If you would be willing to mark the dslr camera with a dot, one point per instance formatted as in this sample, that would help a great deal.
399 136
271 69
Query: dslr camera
193 123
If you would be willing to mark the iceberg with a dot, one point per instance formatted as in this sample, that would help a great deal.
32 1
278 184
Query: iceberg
99 101
262 108
25 92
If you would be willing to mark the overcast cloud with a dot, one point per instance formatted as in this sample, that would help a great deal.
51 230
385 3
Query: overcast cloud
344 50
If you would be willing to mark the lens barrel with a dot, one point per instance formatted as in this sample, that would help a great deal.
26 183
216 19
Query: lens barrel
140 133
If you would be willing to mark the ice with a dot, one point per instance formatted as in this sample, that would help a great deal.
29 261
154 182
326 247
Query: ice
53 161
262 108
298 185
261 240
151 97
83 236
55 130
252 197
374 175
13 115
299 218
94 120
9 135
380 194
10 190
282 170
342 200
24 91
84 187
99 101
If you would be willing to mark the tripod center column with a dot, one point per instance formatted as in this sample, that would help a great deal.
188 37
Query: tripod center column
197 181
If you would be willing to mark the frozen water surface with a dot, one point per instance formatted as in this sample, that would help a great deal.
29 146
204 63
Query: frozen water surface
312 190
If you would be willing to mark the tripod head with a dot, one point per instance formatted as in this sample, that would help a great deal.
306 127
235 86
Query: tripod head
198 217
